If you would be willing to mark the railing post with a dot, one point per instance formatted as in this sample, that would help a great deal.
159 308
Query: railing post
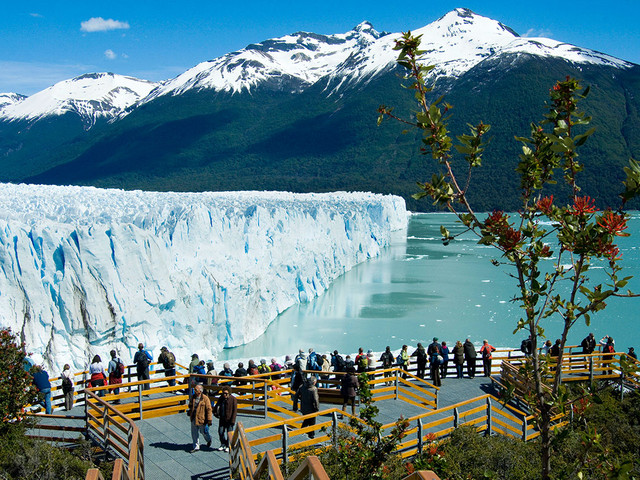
105 428
266 405
524 429
140 400
253 394
420 445
86 417
396 383
285 444
437 399
456 418
590 369
488 417
334 425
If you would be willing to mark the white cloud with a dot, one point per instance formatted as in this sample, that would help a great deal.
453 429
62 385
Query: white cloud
110 54
99 24
535 32
36 15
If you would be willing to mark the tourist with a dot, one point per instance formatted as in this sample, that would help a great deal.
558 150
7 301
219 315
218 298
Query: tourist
546 348
276 367
444 365
632 353
226 370
67 386
361 361
142 359
211 373
195 360
307 395
554 351
313 362
487 354
263 367
200 413
43 385
115 370
421 360
240 372
348 363
296 382
252 369
337 362
98 378
434 358
470 357
168 361
301 361
387 362
371 363
404 360
526 346
588 344
325 367
225 410
348 388
458 358
608 350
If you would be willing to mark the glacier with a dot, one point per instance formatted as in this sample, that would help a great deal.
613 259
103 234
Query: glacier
85 270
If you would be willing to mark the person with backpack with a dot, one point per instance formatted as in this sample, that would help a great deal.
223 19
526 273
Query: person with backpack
226 371
312 361
421 360
361 361
263 367
98 378
275 367
67 387
115 369
142 359
487 354
252 369
526 346
387 362
337 362
608 349
168 361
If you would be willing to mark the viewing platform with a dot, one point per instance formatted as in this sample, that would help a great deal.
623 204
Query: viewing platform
149 433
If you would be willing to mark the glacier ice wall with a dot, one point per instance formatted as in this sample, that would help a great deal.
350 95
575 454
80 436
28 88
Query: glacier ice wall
85 270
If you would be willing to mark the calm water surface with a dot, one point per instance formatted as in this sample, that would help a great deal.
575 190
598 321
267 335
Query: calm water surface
419 288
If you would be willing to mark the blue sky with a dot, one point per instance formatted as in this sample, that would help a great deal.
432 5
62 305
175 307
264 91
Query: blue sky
43 42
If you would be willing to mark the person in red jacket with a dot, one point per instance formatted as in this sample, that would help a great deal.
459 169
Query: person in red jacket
486 351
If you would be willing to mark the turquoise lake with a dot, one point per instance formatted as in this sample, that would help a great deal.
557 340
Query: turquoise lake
418 288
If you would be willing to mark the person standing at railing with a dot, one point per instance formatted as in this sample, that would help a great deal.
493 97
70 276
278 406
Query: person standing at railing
387 362
67 386
403 360
470 356
168 361
421 360
487 355
201 415
632 353
43 385
115 369
435 356
325 367
588 344
98 377
226 409
444 365
458 358
608 349
142 359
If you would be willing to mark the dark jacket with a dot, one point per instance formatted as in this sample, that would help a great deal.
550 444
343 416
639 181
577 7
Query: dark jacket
469 350
420 354
226 411
434 350
308 396
458 355
349 385
41 380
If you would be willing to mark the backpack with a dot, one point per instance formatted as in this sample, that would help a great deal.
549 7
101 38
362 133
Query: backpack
340 365
170 360
363 362
387 359
399 360
119 370
143 360
263 368
312 362
253 371
275 367
67 385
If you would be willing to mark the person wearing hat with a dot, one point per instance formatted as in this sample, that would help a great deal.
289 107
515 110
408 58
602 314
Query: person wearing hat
211 370
168 361
435 354
195 360
142 359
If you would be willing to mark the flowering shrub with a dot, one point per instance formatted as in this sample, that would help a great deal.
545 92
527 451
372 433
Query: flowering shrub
16 389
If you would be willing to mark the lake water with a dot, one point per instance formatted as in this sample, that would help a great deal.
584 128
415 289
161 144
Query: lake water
419 288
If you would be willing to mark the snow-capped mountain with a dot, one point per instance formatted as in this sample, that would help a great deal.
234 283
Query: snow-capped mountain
454 43
90 96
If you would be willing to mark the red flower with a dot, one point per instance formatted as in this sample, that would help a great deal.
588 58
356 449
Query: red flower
545 252
545 204
614 223
582 206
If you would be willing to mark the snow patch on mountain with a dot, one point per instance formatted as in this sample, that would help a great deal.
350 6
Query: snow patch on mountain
85 270
91 96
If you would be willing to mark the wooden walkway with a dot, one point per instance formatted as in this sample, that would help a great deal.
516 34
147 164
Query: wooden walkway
167 440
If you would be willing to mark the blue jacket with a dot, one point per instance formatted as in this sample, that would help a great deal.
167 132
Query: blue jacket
41 380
